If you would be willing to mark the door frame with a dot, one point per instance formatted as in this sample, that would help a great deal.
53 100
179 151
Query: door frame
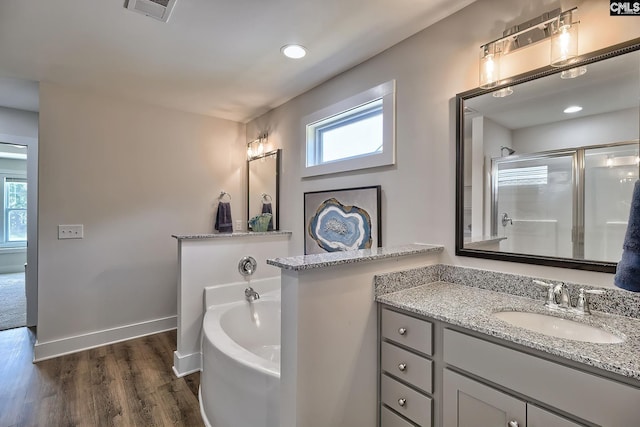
31 273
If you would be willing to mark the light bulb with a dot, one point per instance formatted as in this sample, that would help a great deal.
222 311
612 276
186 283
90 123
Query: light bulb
564 42
489 66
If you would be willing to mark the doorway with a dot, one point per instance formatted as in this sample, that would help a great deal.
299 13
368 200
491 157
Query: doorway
18 231
13 235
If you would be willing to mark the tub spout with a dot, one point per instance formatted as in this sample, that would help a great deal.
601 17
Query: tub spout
251 295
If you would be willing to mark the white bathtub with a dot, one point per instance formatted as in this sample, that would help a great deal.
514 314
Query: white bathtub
240 379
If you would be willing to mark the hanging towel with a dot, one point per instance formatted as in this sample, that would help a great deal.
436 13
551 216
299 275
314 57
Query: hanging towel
224 223
266 208
628 271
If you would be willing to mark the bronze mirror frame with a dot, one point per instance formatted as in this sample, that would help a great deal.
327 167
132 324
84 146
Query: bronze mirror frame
460 250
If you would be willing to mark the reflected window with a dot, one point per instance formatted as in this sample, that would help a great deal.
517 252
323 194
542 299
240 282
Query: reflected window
534 175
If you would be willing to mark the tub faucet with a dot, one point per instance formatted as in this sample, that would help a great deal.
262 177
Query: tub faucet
251 295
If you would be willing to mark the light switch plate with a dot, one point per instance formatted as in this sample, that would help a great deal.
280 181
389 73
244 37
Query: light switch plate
75 231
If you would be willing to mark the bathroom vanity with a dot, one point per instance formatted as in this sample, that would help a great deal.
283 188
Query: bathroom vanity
447 360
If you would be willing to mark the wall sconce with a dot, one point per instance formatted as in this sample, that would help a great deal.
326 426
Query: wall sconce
490 65
557 25
257 147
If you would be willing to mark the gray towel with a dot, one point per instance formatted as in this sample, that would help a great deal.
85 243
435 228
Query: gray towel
628 271
224 223
266 208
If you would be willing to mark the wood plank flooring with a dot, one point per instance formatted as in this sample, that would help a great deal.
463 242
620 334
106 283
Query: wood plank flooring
125 384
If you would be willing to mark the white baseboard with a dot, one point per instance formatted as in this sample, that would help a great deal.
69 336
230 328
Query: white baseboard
187 364
50 349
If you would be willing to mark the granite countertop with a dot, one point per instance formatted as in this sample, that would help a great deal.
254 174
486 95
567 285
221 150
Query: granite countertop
472 308
229 235
329 259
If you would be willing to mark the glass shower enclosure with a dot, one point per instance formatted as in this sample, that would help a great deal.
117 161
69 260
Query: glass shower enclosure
567 203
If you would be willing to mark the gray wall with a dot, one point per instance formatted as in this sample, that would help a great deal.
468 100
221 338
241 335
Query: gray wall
133 174
430 68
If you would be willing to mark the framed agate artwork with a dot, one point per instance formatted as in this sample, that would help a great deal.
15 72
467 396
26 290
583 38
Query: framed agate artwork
342 220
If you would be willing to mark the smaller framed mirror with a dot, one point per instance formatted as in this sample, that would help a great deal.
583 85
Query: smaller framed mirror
264 187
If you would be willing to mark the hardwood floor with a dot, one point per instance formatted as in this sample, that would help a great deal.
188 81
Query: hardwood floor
124 384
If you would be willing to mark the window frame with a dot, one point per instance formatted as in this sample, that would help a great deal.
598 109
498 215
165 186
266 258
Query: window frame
312 167
7 210
4 242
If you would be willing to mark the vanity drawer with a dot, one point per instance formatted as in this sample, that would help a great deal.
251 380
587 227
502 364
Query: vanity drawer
407 330
406 401
407 366
388 418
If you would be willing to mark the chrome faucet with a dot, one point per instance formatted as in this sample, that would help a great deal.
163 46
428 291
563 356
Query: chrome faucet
560 290
558 297
251 295
582 306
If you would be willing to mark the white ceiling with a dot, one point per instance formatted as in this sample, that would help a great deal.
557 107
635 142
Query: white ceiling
214 57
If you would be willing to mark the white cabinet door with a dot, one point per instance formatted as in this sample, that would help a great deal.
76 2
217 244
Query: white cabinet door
468 403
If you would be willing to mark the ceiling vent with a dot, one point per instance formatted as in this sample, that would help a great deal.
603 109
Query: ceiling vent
158 9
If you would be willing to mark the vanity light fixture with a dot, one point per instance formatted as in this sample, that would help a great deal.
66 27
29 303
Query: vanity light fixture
572 73
293 51
564 39
560 27
505 91
257 147
572 109
489 65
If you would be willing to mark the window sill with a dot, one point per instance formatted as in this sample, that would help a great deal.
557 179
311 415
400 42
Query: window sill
13 250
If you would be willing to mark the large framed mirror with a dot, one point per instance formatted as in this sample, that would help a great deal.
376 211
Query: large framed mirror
541 183
264 187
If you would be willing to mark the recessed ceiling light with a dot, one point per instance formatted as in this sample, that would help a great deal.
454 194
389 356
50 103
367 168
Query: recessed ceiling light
293 51
572 109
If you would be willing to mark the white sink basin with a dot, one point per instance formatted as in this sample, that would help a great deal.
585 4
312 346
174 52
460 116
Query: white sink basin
557 327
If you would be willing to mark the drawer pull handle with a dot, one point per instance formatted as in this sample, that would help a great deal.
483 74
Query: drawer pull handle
402 331
403 402
402 367
512 423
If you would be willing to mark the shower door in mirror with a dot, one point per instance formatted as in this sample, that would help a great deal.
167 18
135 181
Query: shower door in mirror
610 174
568 204
532 208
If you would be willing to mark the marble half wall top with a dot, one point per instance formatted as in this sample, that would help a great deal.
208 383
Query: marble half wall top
330 259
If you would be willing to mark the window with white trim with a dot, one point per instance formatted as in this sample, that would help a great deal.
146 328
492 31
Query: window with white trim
13 232
15 209
356 133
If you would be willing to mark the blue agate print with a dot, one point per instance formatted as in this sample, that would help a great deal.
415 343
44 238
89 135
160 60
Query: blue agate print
336 227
